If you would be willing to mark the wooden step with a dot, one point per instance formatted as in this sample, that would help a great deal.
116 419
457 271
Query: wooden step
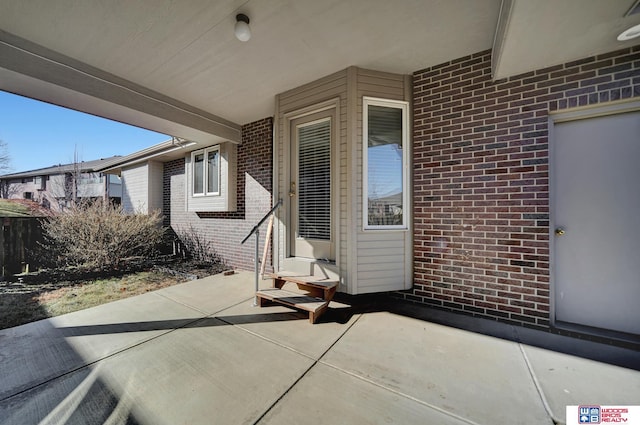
317 286
315 306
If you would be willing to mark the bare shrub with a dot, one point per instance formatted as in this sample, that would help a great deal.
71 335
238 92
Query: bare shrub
100 235
197 247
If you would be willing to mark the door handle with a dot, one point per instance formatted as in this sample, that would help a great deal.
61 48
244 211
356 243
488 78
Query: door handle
560 231
292 190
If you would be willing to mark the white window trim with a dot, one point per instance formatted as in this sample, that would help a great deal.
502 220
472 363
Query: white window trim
404 107
205 172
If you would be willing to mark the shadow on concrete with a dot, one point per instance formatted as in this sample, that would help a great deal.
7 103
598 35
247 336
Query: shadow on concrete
623 356
86 397
76 393
170 325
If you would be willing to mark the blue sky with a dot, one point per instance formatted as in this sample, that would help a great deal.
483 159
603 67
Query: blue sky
40 135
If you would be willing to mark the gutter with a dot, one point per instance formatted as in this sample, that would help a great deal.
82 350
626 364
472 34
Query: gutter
146 154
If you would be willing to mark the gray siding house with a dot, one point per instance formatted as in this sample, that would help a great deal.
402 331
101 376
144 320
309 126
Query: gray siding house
55 187
475 157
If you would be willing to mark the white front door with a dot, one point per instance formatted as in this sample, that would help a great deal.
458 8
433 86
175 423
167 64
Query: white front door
310 194
596 218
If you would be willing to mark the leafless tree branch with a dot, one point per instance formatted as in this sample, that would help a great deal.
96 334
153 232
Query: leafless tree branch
5 158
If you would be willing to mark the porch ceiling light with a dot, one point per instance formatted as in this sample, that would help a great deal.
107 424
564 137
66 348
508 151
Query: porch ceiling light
242 30
630 33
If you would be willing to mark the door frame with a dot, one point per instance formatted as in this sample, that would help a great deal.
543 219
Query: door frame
557 117
282 166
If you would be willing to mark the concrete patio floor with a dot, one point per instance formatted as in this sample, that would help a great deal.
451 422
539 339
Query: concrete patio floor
200 353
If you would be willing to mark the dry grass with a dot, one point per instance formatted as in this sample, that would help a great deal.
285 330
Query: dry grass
13 209
22 303
22 208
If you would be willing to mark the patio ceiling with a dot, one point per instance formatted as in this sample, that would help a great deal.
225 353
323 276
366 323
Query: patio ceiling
176 67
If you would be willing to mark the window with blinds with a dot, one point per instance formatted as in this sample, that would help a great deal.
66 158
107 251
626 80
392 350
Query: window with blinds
385 163
314 180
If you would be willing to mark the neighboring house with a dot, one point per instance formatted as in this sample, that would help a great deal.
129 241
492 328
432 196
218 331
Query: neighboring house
477 157
56 187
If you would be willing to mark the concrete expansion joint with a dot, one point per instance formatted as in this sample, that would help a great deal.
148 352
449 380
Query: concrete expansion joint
124 349
205 313
401 394
536 383
264 338
315 362
93 363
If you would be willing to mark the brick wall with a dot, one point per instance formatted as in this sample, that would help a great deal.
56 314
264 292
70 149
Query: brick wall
481 186
254 183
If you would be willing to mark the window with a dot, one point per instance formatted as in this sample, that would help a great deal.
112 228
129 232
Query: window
40 182
385 164
210 178
206 172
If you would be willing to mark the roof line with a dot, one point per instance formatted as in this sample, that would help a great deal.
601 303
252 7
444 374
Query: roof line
92 165
147 153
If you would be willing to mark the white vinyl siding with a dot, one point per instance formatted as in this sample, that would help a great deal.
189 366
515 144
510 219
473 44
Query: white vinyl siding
330 90
142 187
384 258
367 261
135 185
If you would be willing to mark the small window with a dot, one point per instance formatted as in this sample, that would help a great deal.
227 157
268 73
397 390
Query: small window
213 172
198 174
210 177
40 182
385 164
206 172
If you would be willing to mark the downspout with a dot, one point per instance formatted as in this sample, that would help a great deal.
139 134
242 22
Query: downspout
106 188
504 18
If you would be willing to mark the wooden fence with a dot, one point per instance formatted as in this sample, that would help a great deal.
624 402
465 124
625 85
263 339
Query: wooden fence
18 239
